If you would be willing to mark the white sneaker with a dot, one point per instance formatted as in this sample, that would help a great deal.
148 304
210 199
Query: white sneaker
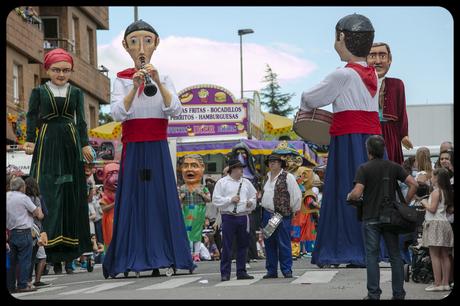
434 288
447 288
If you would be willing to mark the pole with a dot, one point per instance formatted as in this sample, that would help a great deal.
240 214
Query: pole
135 13
241 64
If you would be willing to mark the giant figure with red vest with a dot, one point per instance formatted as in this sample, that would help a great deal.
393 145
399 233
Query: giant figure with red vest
392 104
148 227
351 90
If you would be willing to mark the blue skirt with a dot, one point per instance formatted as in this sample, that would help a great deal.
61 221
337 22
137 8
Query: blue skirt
339 237
148 227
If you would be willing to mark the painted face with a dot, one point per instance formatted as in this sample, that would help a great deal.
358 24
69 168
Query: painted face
192 171
380 59
59 73
140 44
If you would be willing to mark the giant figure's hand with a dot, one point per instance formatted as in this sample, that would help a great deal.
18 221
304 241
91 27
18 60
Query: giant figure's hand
87 153
406 143
29 147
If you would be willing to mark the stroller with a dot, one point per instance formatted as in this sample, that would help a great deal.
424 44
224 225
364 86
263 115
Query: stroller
420 269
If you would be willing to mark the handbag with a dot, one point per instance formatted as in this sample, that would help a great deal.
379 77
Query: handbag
395 216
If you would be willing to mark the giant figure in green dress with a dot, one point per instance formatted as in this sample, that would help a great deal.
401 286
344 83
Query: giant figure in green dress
59 148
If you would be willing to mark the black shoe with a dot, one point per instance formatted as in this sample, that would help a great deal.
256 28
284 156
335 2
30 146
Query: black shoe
41 284
69 271
244 276
367 297
57 268
269 276
156 272
288 275
354 266
225 278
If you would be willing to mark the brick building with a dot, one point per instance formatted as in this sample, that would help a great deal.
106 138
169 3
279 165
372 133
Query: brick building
29 37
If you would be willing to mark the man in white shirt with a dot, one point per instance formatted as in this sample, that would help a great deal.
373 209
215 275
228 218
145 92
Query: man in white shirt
235 196
20 211
281 194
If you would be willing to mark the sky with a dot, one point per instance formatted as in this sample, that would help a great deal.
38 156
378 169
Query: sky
201 45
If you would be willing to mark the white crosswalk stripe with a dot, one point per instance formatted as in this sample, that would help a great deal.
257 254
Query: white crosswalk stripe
313 277
172 283
97 288
17 295
385 276
240 282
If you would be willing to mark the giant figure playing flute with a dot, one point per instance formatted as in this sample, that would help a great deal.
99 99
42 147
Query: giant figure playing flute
148 229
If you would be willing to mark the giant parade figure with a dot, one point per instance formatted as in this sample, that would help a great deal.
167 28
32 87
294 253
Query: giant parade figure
60 148
351 91
392 104
148 227
194 196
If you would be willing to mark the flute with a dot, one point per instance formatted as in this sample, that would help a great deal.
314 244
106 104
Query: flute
150 89
237 194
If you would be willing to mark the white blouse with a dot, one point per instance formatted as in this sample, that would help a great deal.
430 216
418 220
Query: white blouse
343 88
143 106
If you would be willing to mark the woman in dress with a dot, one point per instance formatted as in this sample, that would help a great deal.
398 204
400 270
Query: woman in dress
57 137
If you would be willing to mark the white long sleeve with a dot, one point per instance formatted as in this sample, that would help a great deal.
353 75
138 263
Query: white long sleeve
143 106
226 188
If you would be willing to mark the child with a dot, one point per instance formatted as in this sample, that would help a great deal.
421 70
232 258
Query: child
437 232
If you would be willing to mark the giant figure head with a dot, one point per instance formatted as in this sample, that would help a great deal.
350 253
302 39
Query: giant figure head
354 36
192 168
380 57
140 40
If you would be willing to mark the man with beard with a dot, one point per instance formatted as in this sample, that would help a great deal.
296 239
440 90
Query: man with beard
392 104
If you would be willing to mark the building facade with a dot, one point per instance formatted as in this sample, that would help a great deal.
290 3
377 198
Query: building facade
30 36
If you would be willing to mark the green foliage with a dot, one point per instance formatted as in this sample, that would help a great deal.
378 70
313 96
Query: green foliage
271 97
104 118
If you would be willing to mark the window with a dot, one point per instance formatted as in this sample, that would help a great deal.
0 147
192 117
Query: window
73 34
92 117
16 83
51 32
91 57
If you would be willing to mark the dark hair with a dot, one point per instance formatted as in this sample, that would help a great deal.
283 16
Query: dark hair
139 25
32 189
359 43
445 186
375 145
408 164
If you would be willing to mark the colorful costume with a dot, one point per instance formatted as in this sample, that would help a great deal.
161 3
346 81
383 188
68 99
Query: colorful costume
57 165
148 227
194 197
110 181
351 91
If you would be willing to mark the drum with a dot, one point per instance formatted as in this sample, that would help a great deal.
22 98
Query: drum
313 126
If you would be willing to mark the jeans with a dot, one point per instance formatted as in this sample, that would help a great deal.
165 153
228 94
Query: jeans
278 246
372 234
20 257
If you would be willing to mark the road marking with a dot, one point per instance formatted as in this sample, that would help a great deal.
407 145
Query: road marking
48 279
97 288
173 283
314 277
38 291
240 282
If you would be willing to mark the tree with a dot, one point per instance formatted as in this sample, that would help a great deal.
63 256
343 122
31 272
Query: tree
271 97
104 118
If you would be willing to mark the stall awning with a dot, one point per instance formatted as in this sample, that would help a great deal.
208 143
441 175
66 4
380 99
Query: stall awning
277 125
110 131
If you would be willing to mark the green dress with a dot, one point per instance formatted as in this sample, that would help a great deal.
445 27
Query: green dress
57 165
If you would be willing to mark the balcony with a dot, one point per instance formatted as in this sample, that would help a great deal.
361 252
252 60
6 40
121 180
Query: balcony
25 35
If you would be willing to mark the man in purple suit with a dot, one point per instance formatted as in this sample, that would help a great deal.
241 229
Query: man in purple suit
392 104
